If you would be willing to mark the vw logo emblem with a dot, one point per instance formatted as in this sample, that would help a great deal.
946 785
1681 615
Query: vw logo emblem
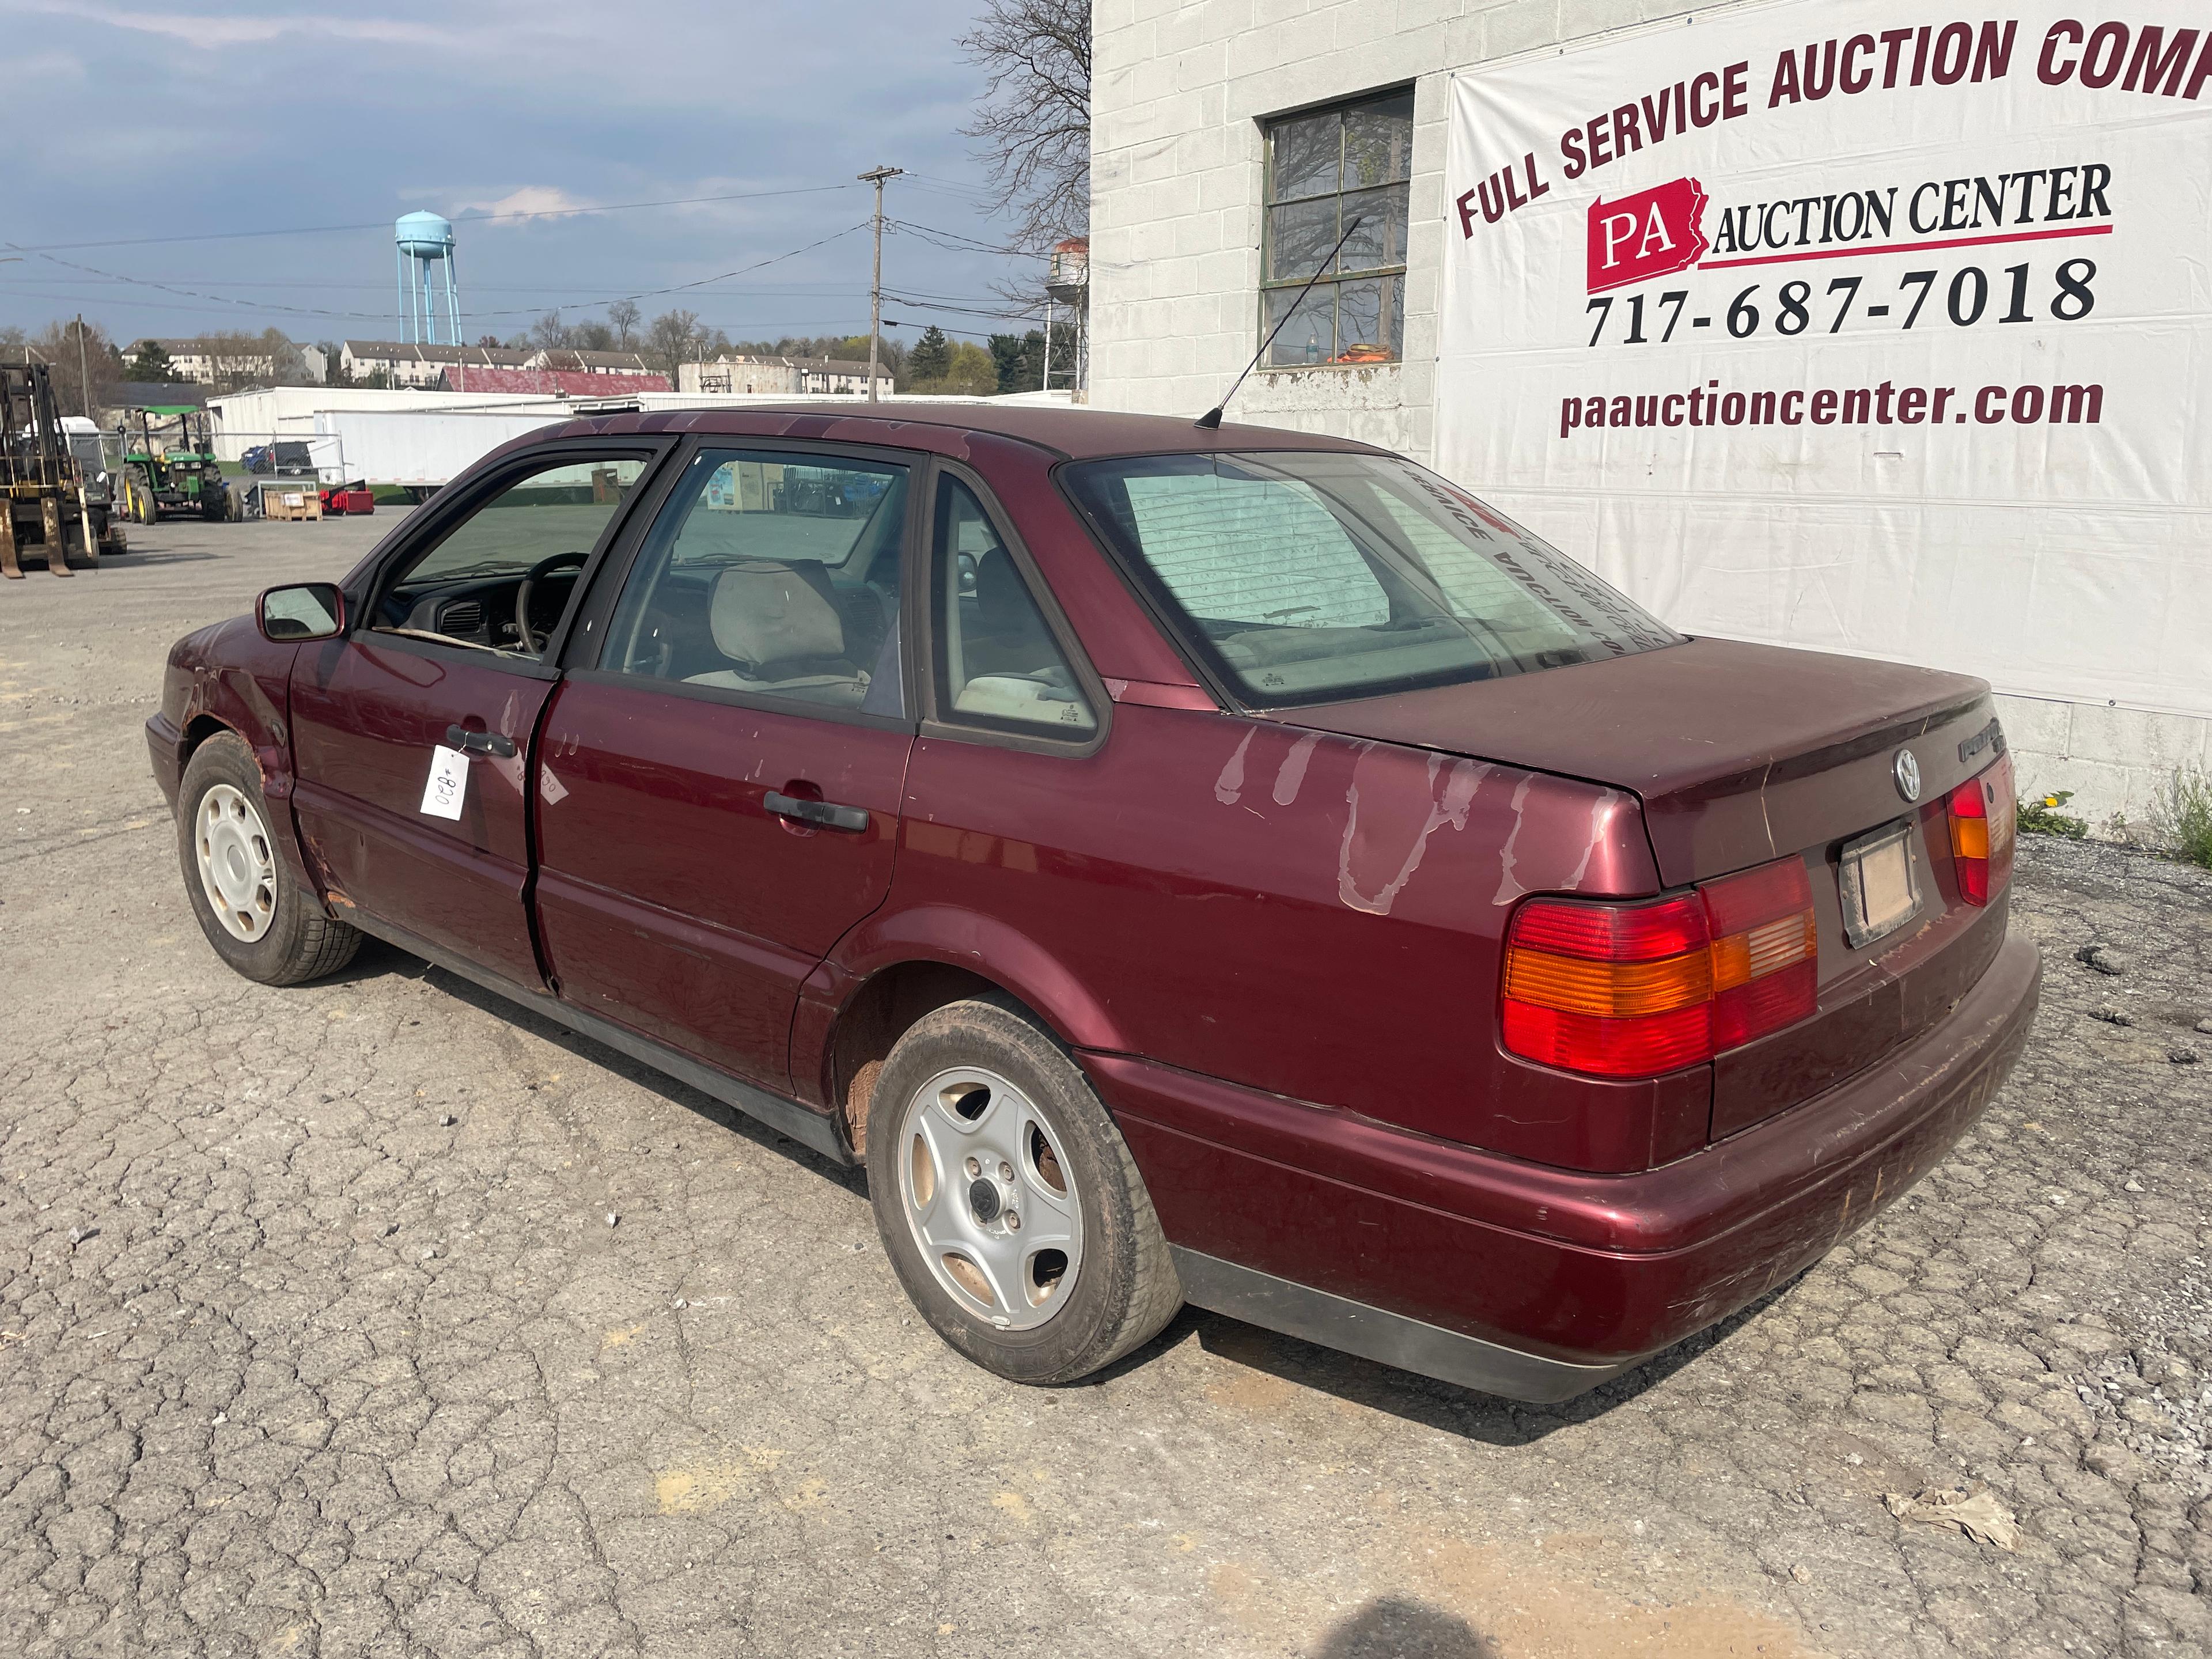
1908 774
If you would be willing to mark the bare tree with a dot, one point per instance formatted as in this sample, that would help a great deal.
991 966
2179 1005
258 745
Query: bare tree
673 341
623 317
1033 123
549 332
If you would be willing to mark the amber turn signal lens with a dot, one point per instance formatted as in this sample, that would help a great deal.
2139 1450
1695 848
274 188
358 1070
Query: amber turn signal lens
1982 814
1637 990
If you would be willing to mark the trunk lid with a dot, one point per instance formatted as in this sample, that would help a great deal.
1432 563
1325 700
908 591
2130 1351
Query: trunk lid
1742 754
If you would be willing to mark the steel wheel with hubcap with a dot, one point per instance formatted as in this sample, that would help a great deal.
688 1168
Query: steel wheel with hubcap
245 897
238 868
988 1197
1008 1201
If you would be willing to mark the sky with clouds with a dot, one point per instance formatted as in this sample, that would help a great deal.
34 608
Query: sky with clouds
206 119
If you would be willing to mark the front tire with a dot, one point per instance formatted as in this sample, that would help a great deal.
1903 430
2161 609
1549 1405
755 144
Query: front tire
257 918
1008 1201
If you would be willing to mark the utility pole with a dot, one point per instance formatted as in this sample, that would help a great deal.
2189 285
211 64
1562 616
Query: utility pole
876 287
84 373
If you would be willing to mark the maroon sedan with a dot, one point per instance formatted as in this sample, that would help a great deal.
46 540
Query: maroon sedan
1227 866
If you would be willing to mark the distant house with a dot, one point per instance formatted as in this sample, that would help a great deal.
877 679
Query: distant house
594 362
404 363
549 382
208 362
783 377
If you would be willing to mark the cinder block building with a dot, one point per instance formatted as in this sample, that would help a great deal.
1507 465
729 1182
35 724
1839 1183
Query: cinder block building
1236 141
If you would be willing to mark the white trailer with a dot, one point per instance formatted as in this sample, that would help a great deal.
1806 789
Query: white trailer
417 449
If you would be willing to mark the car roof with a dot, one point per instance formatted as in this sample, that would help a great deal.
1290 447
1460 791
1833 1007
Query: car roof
1076 432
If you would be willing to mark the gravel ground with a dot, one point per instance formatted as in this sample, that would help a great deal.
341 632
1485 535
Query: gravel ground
315 1339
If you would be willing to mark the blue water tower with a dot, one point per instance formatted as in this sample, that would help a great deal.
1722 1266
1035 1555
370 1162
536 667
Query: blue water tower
426 269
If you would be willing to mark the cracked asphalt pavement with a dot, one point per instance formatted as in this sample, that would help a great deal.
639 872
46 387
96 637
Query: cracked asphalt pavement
315 1338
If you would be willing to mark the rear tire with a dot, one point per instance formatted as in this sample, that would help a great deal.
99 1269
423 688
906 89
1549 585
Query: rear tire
257 918
989 1288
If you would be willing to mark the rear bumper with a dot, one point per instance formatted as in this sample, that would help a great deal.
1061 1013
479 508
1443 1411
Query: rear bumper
1349 1231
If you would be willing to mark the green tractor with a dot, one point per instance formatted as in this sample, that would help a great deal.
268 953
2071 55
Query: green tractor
169 467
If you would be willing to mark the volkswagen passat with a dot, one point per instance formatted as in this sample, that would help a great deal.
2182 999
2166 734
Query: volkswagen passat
1228 866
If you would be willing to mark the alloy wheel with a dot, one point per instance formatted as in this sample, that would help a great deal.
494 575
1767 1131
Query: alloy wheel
990 1199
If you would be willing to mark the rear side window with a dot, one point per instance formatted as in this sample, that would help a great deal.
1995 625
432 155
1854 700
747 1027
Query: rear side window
1312 576
997 664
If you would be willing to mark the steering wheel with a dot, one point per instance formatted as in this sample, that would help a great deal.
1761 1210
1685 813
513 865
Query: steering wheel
531 642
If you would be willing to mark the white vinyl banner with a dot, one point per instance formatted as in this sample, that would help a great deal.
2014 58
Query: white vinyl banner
1840 325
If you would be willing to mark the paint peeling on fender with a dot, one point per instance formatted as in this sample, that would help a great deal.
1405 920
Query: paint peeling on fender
1508 888
1458 792
1292 772
1229 787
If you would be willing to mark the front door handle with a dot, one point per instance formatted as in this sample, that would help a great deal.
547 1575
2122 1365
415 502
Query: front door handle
480 742
827 813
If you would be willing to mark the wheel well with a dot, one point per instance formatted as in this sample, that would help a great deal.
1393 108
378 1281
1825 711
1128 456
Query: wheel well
202 728
881 1012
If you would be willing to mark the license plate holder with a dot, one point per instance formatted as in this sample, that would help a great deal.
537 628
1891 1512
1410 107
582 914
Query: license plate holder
1880 880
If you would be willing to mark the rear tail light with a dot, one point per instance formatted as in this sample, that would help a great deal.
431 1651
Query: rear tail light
1636 990
1982 813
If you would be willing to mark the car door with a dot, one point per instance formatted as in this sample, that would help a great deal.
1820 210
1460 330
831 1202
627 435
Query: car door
719 789
411 733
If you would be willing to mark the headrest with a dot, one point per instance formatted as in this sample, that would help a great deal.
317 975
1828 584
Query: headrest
1002 600
769 613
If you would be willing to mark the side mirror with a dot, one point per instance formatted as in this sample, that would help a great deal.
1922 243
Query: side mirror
311 610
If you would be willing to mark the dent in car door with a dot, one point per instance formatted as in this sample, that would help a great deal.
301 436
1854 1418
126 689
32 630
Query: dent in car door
365 716
369 710
718 803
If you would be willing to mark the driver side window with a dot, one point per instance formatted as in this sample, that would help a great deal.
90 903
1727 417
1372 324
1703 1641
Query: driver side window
502 578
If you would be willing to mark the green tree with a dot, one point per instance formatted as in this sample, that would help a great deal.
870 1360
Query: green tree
931 359
1019 358
972 373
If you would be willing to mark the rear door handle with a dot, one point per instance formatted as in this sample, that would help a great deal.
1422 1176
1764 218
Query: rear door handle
480 742
827 813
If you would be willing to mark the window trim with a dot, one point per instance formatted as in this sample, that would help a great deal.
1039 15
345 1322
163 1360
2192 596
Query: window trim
452 506
597 613
922 617
1269 202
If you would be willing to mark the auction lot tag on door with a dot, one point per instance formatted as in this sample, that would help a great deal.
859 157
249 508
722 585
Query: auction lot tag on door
448 786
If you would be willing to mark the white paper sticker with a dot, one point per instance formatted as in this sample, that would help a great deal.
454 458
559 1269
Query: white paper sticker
449 783
553 791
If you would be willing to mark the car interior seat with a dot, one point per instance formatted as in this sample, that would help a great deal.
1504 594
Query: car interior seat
778 626
1008 636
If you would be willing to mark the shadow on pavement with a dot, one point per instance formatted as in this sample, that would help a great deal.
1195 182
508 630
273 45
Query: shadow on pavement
378 959
1445 1406
1400 1628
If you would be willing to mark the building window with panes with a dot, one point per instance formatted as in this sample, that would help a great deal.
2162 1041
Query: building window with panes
1331 171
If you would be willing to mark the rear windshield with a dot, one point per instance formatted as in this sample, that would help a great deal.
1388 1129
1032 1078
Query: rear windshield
1307 577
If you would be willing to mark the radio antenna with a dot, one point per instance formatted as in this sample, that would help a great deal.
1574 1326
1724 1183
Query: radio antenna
1210 420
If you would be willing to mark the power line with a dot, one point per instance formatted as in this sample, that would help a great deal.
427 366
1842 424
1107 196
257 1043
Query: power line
952 240
466 219
379 316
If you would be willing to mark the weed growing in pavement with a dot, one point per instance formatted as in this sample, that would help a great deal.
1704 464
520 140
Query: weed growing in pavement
2188 815
2041 816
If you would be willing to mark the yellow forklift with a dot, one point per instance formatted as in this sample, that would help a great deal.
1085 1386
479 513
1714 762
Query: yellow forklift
50 501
